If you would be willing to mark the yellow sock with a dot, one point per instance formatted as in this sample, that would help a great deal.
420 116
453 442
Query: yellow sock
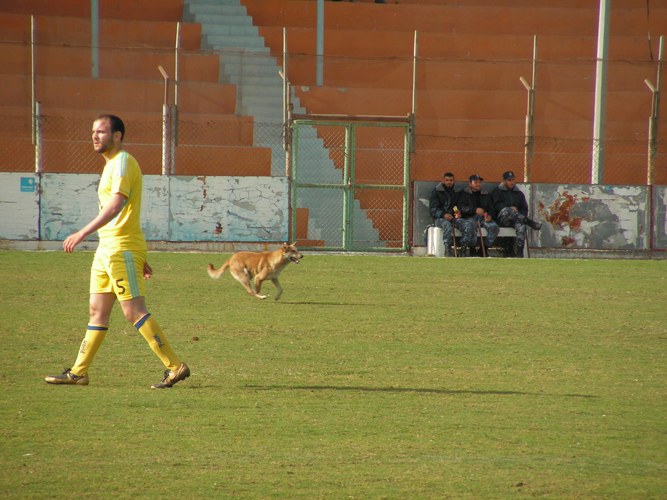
153 334
91 343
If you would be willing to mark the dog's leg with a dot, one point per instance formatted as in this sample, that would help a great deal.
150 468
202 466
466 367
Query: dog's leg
258 287
243 277
277 285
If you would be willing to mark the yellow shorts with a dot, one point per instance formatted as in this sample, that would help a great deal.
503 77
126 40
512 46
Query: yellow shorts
121 273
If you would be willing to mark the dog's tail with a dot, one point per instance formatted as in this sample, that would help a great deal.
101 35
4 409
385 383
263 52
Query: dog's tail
216 273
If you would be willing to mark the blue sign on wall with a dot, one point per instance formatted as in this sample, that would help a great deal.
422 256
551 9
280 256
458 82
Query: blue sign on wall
27 184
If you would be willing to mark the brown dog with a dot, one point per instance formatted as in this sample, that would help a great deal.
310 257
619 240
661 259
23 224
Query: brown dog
261 266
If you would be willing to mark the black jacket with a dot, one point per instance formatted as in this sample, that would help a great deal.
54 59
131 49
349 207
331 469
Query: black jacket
467 203
502 198
442 201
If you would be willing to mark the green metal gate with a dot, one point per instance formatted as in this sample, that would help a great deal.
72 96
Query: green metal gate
350 185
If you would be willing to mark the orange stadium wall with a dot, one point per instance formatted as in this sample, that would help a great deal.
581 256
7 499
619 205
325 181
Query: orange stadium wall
470 60
155 10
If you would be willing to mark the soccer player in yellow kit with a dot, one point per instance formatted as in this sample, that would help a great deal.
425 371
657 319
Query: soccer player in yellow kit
120 261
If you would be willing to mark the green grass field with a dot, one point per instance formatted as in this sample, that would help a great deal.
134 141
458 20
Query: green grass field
373 377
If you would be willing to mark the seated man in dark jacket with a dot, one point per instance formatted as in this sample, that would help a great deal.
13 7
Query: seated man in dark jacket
476 206
441 205
510 204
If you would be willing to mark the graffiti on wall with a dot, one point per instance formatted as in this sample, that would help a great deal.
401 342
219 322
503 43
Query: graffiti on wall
591 216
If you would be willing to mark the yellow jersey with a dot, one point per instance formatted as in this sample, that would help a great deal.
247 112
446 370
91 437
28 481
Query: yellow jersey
122 175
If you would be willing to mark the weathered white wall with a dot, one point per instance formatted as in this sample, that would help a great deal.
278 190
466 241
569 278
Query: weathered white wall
660 216
256 209
226 209
591 216
19 206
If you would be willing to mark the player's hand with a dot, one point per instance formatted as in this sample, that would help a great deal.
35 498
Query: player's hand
480 211
448 217
148 271
514 208
72 241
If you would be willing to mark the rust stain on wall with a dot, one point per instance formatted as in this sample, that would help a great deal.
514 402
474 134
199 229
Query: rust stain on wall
558 214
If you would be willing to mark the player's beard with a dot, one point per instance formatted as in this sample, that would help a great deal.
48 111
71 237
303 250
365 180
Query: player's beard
103 147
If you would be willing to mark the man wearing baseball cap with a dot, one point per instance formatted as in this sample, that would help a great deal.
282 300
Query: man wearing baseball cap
476 206
442 203
510 204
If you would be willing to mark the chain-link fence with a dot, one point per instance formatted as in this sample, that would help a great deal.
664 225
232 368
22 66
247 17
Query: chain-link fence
351 183
238 146
551 159
204 147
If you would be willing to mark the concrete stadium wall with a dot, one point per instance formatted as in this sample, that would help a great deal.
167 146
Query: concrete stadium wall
256 210
180 208
578 216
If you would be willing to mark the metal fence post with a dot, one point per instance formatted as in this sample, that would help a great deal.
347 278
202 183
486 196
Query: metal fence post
33 82
173 137
38 134
319 45
166 126
653 120
94 39
174 109
530 117
600 110
166 142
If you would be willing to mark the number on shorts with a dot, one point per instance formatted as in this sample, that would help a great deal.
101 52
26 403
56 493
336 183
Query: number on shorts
121 288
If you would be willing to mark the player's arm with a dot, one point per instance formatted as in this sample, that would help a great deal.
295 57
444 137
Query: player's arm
105 216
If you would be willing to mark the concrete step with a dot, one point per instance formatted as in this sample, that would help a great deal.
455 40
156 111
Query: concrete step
249 59
231 20
215 2
269 102
253 80
228 30
217 9
234 41
274 91
231 50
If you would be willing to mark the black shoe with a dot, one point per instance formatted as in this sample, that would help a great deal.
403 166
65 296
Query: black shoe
518 253
533 225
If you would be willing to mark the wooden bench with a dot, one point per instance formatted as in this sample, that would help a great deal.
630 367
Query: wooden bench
505 232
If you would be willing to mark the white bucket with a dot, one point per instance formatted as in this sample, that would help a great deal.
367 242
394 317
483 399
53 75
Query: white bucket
434 245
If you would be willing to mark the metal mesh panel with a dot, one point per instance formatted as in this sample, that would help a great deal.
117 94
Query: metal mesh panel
380 225
319 154
379 155
363 161
379 159
18 152
570 160
320 218
553 160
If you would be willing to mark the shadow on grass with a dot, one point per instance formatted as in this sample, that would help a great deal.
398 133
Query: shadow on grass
401 389
319 304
